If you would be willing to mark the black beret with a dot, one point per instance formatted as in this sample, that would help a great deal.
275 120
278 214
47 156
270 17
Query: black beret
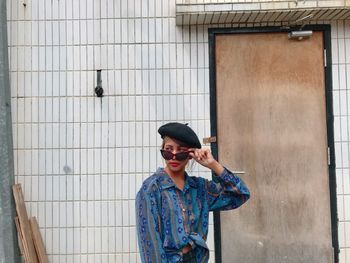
180 132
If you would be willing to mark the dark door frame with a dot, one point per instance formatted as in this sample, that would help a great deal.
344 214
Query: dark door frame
326 29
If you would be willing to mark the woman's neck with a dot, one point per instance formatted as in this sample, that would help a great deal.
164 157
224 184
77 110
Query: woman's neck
177 177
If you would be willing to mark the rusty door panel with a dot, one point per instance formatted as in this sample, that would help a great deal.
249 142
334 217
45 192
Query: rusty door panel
271 122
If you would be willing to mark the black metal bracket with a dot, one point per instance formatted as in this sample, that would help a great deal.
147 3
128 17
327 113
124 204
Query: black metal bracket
99 89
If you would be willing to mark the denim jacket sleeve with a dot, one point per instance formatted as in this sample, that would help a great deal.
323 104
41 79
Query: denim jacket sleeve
229 192
148 228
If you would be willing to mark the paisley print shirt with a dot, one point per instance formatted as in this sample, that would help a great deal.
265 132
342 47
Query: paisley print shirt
168 218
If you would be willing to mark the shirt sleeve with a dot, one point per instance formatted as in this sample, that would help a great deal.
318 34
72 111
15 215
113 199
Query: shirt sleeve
148 228
229 192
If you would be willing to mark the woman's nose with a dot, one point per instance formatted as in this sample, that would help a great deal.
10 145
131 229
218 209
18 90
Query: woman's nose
174 152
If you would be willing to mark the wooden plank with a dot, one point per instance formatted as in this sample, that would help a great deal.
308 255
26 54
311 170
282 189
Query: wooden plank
38 241
28 244
20 238
24 252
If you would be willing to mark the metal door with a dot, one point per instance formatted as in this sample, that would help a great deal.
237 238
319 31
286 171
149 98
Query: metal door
271 123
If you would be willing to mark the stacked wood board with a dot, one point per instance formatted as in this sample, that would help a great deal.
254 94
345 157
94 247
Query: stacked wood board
30 241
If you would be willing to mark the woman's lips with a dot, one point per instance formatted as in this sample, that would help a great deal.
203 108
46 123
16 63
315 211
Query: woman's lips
174 164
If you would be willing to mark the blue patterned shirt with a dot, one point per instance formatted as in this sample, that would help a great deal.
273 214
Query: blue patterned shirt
168 218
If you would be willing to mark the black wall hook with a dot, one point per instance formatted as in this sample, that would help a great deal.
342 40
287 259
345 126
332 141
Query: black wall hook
99 89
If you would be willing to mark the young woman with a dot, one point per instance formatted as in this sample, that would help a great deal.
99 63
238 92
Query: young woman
172 208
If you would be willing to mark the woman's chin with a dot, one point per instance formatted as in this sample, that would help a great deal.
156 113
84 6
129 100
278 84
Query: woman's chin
176 169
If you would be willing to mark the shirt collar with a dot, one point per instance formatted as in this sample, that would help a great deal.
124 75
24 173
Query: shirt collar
166 182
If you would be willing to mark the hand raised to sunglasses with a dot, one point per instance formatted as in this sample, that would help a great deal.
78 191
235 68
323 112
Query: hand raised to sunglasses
205 158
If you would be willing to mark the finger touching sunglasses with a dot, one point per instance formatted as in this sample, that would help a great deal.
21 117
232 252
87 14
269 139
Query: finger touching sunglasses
202 156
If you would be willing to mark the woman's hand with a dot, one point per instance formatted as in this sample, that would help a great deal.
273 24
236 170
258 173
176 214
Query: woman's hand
205 158
202 156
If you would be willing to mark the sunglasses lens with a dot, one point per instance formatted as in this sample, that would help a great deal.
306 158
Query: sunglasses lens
181 156
167 155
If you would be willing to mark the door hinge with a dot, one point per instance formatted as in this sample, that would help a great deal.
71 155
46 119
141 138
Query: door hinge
208 140
329 155
325 57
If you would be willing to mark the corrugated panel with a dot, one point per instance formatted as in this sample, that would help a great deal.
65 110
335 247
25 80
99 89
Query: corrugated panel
243 15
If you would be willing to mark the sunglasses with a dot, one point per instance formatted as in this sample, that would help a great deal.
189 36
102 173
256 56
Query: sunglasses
180 156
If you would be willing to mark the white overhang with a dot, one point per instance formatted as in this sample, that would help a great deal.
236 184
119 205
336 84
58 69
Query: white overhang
231 12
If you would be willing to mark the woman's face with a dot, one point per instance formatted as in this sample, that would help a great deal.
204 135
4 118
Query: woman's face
175 147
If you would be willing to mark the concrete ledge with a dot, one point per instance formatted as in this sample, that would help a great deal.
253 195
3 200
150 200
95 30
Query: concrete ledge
224 11
214 14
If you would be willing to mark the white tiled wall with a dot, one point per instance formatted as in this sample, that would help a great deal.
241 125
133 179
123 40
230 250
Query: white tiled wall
273 4
80 158
341 97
